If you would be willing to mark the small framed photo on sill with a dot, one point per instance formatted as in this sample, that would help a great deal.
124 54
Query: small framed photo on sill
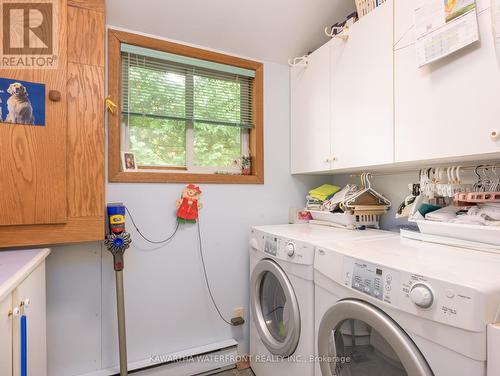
128 161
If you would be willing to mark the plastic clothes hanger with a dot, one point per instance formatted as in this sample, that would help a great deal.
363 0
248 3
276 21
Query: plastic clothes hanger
365 180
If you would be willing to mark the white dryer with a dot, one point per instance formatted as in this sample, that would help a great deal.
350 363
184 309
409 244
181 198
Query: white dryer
398 307
282 295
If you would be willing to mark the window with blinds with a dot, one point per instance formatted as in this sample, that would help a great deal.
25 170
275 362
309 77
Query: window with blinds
184 112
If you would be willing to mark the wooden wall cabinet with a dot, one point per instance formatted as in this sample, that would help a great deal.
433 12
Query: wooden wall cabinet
52 177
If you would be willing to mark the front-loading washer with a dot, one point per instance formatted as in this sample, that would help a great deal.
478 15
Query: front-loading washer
404 307
282 295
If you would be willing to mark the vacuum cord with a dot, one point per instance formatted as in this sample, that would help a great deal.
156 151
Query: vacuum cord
200 243
148 240
206 276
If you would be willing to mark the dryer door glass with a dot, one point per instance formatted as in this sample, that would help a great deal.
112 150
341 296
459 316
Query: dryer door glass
357 339
275 309
273 303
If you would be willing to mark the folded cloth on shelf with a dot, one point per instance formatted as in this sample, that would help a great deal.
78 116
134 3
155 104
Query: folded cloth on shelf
446 214
324 192
312 204
332 203
491 210
482 214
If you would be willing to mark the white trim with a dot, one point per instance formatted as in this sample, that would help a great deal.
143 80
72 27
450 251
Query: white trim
118 28
13 273
196 170
227 356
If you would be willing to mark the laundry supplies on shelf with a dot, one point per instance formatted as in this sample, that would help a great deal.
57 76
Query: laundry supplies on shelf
317 196
324 192
351 206
451 206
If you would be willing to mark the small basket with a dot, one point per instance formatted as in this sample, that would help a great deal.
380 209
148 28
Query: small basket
347 220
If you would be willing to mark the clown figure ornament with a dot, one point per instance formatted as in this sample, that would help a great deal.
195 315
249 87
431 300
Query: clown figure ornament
189 204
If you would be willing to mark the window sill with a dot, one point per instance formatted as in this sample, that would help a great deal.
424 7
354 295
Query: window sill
173 177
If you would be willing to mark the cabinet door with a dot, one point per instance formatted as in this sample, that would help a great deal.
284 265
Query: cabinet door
449 108
33 158
362 92
32 288
310 113
6 336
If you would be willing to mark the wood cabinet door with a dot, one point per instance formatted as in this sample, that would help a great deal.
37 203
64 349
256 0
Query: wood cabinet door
310 113
32 288
449 108
33 158
6 336
362 96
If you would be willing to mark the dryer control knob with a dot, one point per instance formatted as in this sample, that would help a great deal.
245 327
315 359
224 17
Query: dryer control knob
421 295
290 249
254 243
495 135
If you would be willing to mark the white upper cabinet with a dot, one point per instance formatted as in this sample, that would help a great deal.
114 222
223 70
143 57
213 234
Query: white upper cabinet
447 109
362 92
310 113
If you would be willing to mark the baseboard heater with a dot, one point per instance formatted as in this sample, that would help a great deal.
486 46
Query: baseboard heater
201 360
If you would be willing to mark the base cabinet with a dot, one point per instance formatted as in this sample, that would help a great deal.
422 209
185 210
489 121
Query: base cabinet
22 298
6 321
32 289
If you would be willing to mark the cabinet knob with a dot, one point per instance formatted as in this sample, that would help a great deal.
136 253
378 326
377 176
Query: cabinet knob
54 95
327 160
334 158
495 135
15 312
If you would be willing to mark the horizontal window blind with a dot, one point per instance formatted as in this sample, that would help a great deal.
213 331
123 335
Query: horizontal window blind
171 87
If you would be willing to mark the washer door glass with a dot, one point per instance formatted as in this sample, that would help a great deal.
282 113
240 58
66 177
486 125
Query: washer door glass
275 308
357 339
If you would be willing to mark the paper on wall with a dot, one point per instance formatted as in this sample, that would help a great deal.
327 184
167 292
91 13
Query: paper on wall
443 27
495 17
495 22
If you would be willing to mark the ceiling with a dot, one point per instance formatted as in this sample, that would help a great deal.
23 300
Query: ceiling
268 30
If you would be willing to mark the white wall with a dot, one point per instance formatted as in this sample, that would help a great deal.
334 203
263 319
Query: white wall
167 305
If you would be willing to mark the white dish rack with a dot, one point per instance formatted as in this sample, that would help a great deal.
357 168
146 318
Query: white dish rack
346 220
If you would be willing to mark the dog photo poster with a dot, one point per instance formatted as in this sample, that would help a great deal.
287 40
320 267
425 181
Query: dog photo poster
22 102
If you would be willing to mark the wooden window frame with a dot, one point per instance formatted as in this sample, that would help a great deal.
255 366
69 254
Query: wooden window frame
256 134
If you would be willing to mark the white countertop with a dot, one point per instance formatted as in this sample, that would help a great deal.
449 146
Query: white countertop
15 266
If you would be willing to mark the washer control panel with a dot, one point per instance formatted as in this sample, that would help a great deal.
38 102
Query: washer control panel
286 249
376 281
271 244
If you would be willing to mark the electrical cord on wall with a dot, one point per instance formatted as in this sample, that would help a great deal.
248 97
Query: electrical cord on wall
233 322
148 240
237 321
